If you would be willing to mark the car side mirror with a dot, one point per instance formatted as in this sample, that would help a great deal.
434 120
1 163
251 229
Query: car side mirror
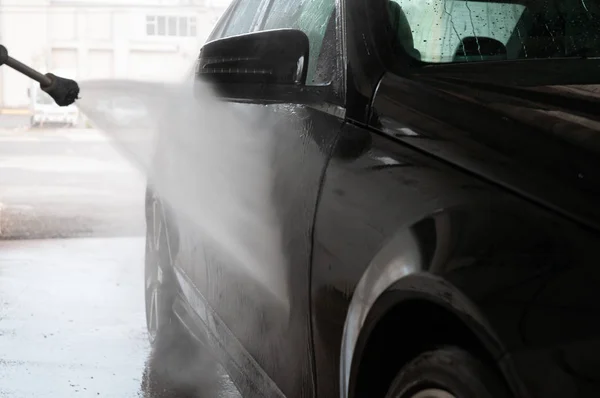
264 67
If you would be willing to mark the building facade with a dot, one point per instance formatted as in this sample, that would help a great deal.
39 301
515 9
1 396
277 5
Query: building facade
103 39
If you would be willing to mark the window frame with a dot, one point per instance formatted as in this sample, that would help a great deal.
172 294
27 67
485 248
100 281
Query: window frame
151 20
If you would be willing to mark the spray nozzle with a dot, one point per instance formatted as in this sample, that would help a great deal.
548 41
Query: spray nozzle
63 91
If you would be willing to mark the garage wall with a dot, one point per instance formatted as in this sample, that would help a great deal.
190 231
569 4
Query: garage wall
63 58
98 25
100 65
98 42
24 35
62 25
155 66
143 65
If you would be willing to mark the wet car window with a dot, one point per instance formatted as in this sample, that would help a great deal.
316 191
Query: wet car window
441 31
242 18
310 16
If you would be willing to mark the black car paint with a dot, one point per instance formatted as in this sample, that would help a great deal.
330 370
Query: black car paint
259 320
438 219
493 264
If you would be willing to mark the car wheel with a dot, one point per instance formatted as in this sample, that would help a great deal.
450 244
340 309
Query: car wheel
447 372
178 366
159 286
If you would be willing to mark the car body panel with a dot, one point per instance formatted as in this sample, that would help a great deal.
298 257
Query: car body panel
237 307
532 146
498 262
252 320
412 188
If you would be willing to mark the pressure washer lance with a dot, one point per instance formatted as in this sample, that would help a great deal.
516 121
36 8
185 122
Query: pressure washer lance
63 91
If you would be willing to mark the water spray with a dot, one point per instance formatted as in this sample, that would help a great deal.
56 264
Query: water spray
63 91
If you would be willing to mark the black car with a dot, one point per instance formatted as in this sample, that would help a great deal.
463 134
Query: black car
439 211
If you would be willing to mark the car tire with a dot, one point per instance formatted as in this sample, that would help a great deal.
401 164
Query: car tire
447 372
160 287
177 364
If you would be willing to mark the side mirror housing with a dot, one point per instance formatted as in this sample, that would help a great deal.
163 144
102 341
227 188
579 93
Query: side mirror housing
263 67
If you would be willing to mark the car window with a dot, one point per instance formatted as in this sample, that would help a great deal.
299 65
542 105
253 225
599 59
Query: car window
310 16
242 18
463 31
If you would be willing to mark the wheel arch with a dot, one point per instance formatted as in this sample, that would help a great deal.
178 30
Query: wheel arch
415 264
395 283
432 324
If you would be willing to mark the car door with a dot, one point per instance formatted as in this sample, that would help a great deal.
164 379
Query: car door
257 310
400 220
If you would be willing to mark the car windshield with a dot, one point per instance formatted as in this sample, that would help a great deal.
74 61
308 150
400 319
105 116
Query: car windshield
441 31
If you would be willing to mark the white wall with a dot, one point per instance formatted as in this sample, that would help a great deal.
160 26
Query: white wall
63 58
98 41
23 32
100 64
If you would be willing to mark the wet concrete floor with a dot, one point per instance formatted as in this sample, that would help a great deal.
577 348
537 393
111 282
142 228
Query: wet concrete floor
72 320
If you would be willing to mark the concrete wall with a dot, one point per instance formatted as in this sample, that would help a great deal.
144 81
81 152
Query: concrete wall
25 41
100 39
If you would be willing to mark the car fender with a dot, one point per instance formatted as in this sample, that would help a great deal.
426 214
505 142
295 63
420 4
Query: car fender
399 268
